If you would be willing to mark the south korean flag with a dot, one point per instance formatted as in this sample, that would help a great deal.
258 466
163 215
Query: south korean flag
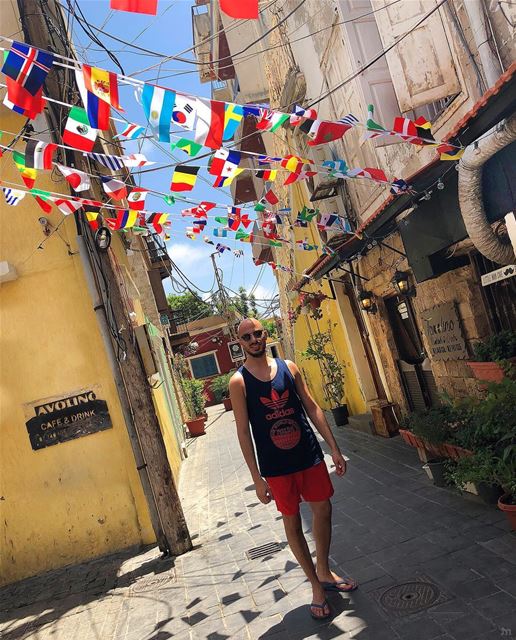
183 113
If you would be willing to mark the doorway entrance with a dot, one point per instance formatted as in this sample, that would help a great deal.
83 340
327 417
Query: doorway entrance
413 363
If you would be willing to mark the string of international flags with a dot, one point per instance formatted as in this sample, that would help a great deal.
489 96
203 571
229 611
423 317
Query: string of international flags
212 123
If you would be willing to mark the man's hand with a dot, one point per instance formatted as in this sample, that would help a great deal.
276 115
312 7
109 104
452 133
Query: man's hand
340 463
263 491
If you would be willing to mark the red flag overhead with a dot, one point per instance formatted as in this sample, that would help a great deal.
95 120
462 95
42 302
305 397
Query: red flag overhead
239 8
135 6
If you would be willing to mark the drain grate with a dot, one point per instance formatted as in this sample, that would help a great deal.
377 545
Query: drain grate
153 582
410 597
263 550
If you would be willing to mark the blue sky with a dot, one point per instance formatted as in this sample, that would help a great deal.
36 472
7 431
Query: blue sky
170 32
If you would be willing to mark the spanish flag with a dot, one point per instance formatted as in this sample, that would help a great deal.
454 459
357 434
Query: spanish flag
103 84
184 178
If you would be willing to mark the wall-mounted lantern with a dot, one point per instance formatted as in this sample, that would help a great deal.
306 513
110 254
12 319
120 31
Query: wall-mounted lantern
367 302
103 239
402 285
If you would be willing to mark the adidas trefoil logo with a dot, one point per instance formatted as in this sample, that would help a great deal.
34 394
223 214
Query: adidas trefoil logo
275 401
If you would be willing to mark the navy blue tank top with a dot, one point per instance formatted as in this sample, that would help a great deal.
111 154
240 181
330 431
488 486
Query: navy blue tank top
283 439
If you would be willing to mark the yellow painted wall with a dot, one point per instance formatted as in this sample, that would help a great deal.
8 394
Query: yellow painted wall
305 326
78 499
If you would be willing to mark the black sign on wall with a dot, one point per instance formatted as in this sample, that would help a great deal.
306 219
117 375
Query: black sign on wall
59 419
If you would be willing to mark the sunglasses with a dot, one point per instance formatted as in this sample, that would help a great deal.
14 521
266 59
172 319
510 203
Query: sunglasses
258 334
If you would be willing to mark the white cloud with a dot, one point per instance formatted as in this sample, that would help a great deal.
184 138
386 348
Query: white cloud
262 292
188 255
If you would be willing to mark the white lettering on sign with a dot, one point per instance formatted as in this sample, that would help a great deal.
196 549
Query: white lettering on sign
67 403
499 274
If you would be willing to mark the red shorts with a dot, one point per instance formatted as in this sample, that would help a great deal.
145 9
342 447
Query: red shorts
311 485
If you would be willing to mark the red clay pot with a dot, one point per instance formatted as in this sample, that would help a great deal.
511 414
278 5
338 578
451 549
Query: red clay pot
228 405
196 426
509 510
487 371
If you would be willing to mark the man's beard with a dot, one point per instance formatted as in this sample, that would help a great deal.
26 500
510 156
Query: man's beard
256 354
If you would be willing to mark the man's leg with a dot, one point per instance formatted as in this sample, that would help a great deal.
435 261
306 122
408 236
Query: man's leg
299 547
321 527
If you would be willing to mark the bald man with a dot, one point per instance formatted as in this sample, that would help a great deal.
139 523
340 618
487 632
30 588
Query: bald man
271 403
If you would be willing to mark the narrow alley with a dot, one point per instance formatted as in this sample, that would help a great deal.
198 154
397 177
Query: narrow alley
431 564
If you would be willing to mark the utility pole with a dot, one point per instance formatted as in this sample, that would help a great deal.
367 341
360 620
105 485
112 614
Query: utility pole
224 300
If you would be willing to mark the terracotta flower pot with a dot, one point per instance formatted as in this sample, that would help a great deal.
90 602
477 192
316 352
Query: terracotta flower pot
228 406
487 371
196 426
509 510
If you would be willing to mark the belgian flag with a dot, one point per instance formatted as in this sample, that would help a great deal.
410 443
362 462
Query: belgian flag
184 178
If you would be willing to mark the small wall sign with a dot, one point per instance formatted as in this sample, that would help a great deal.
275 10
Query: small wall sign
499 274
235 351
444 332
59 419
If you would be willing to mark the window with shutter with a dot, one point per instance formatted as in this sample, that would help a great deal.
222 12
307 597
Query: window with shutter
364 43
422 66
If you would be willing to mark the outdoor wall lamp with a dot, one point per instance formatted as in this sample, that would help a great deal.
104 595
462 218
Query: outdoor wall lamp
367 302
103 239
401 283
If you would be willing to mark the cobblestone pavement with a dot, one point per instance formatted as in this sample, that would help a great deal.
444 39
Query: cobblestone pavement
391 527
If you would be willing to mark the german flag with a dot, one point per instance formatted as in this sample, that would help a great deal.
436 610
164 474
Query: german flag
184 178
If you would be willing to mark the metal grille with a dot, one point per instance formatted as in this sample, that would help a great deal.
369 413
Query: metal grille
153 582
410 597
264 550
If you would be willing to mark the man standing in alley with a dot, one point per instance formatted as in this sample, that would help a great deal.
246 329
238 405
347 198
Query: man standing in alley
271 402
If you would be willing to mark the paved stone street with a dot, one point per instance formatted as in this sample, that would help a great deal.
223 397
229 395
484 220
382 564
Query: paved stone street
391 527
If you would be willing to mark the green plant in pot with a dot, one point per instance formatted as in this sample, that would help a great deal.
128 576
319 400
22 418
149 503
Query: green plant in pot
332 371
220 390
494 357
196 403
492 437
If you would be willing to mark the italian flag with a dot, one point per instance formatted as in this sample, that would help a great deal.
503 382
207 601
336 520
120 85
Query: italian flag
78 133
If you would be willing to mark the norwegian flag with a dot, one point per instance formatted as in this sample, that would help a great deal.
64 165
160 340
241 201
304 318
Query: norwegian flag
28 66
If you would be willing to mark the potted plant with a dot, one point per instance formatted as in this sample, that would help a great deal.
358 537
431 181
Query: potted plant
435 470
333 374
437 429
220 389
492 437
493 356
196 402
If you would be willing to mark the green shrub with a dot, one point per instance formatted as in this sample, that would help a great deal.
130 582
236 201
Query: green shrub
438 424
498 347
220 387
195 396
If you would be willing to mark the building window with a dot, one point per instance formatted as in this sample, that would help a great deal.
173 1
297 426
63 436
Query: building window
204 366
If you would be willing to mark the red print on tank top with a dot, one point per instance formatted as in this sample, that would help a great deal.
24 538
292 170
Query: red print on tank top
276 402
285 434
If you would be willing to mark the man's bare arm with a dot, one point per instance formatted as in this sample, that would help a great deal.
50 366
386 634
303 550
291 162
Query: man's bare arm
237 395
316 415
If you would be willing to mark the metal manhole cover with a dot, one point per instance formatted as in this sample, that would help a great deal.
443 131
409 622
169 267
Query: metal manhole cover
410 597
264 550
153 582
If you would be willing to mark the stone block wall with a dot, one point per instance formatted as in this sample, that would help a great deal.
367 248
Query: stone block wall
460 287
